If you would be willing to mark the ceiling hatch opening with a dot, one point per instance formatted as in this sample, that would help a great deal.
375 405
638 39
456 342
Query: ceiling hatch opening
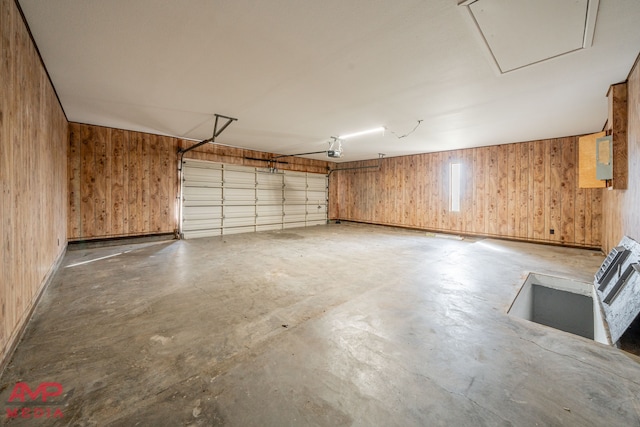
516 33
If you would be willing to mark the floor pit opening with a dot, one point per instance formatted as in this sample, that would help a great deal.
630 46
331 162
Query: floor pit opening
564 304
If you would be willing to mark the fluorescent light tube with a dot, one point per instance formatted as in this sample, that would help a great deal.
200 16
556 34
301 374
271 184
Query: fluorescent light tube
364 132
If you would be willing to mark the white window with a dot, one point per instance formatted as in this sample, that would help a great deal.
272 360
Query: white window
454 187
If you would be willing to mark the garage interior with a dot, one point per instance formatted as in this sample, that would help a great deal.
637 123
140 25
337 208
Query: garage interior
316 213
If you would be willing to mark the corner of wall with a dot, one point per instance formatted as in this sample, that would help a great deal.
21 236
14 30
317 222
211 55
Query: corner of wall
33 207
620 206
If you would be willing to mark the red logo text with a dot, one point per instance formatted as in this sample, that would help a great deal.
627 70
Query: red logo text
32 399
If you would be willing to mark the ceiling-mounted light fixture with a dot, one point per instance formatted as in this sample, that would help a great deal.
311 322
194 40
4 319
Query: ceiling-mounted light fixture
364 132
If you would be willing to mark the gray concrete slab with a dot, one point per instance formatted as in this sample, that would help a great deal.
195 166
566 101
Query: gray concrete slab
332 325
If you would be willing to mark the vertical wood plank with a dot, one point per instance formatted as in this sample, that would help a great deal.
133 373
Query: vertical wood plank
421 200
371 191
101 181
513 184
588 211
429 192
5 35
74 164
445 212
445 191
118 205
479 171
401 180
568 188
410 163
87 181
539 190
144 182
580 222
502 191
554 186
531 206
455 218
436 188
167 185
596 216
389 217
354 197
126 185
155 176
380 193
492 192
134 202
523 195
468 190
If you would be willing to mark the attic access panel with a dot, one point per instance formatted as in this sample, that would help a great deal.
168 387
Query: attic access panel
519 33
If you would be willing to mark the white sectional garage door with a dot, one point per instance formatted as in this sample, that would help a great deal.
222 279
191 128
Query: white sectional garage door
225 199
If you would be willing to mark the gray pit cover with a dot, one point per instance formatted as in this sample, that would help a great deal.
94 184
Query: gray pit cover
617 284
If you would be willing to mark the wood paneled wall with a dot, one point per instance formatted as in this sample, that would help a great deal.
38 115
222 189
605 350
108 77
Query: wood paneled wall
33 142
621 208
120 183
125 183
519 191
617 124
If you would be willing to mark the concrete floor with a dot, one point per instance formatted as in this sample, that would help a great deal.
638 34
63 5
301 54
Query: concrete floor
332 325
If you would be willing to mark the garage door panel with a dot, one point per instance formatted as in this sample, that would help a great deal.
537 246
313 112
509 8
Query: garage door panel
316 183
317 209
238 230
295 181
269 227
294 218
195 196
295 209
202 233
239 211
261 220
239 168
295 197
269 180
294 224
269 196
239 196
316 217
316 197
238 179
228 199
203 212
269 210
238 221
202 177
201 164
201 224
204 164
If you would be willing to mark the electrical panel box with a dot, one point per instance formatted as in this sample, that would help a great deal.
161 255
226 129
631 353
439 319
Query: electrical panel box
604 158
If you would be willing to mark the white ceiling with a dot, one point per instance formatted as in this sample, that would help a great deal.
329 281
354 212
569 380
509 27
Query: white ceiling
296 72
